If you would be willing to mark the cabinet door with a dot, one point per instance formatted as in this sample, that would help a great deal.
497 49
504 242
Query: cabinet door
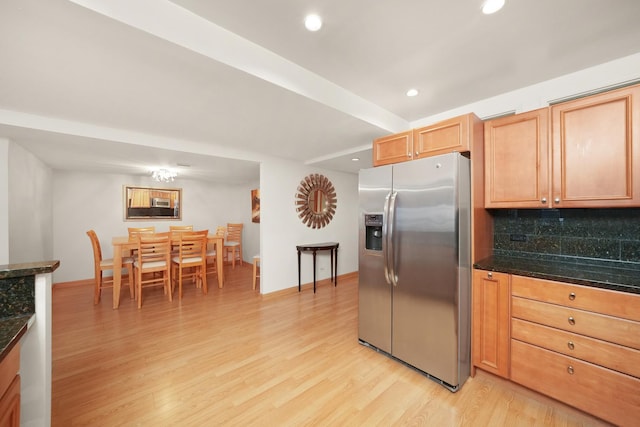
517 161
491 322
596 150
393 149
10 405
443 137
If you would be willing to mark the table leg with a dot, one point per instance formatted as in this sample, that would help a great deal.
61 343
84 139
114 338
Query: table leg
220 264
298 271
335 281
331 262
314 272
117 274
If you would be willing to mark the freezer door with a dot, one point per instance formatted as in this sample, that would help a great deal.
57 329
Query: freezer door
425 297
374 294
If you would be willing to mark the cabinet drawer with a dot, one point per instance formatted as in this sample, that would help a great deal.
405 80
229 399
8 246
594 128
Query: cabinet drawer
613 356
612 329
607 394
619 304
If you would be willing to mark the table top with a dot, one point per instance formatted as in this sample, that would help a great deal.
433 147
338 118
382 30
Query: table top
317 246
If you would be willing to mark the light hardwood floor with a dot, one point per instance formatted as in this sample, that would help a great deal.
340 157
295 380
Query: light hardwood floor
235 358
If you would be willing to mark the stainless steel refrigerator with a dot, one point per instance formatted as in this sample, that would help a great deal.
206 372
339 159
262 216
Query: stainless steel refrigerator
414 265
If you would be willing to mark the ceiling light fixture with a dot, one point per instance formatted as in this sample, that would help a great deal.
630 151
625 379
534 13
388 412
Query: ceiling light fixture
313 22
412 92
492 6
355 159
163 175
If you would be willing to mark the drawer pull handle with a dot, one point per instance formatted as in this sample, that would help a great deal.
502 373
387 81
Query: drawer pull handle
572 321
570 370
572 296
571 345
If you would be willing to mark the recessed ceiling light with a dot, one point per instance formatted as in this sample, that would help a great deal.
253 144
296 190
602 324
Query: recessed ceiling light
492 6
313 22
355 159
412 92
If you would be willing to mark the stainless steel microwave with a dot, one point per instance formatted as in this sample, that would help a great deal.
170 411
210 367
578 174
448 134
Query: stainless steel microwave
158 202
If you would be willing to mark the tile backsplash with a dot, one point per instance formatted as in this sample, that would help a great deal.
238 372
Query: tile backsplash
598 234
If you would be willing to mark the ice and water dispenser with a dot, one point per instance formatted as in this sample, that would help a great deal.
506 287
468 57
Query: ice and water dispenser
373 232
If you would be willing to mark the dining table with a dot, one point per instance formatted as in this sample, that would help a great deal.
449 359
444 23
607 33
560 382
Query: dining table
122 243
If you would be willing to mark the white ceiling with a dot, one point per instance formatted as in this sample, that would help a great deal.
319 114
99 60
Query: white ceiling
121 85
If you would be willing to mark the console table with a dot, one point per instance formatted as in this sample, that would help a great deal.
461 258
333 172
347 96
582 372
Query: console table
315 247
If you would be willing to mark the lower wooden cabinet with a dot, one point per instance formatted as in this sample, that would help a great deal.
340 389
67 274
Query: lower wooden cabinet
10 389
577 344
490 322
10 405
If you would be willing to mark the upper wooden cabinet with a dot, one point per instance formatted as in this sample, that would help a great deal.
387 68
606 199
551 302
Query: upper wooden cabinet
588 157
455 134
517 161
596 150
444 137
393 149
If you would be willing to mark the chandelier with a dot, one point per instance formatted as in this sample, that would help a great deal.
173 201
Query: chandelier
163 175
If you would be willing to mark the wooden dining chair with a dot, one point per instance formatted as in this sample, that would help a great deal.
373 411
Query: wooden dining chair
192 255
101 264
153 256
233 243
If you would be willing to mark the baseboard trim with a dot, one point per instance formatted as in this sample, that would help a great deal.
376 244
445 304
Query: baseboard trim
309 286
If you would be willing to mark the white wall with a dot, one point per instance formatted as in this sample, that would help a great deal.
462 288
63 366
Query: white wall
542 94
4 201
29 203
282 230
84 201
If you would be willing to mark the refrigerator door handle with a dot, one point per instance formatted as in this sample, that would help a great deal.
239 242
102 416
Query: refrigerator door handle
390 256
385 245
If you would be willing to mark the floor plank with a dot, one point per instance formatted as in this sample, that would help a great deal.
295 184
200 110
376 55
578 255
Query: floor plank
233 357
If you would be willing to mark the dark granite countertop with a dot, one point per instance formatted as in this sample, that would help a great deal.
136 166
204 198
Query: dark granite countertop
11 330
27 269
614 275
17 300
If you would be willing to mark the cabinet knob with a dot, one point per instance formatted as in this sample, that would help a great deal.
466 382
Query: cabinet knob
557 200
572 321
417 153
570 370
571 345
409 154
572 296
544 200
489 274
